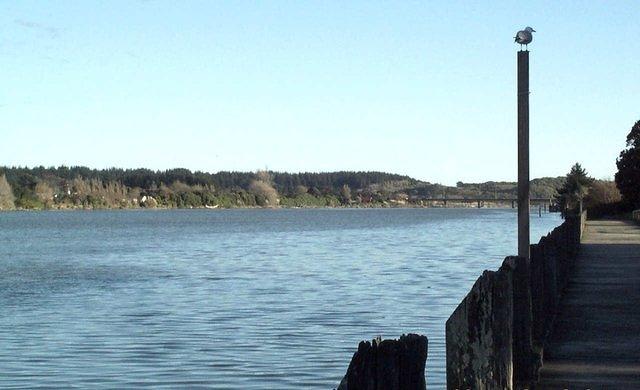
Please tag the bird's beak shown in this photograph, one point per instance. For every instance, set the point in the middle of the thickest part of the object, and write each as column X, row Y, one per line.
column 533, row 30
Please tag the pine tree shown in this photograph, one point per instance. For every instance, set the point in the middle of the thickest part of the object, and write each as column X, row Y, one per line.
column 574, row 189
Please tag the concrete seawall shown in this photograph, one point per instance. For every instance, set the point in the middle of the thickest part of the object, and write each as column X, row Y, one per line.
column 496, row 337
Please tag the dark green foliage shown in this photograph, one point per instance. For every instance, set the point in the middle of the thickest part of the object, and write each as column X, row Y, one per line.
column 545, row 187
column 628, row 175
column 28, row 201
column 633, row 138
column 574, row 189
column 305, row 200
column 332, row 182
column 607, row 209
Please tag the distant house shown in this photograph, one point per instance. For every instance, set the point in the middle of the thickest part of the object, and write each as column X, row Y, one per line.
column 400, row 198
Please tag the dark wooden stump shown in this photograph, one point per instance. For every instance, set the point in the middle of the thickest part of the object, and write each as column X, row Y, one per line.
column 388, row 365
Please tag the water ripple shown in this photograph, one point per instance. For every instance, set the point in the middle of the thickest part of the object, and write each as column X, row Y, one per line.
column 244, row 299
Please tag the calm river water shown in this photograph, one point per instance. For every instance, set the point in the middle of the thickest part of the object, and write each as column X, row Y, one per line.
column 239, row 299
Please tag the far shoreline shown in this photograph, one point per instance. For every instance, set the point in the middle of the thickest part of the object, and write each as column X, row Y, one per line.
column 217, row 209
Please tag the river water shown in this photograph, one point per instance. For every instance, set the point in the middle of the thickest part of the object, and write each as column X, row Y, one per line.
column 238, row 299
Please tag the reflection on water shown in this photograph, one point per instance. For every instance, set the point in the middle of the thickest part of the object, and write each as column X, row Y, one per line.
column 242, row 299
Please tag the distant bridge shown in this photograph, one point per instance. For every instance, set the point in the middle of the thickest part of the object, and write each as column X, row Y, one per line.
column 543, row 202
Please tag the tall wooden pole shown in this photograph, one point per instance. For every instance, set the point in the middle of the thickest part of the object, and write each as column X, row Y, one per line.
column 523, row 153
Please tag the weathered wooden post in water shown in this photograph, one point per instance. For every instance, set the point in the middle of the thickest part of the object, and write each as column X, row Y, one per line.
column 388, row 365
column 523, row 152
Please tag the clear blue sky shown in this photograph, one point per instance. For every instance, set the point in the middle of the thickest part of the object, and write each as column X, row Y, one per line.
column 426, row 89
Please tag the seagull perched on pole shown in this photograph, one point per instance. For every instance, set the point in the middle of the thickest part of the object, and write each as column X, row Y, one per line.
column 524, row 37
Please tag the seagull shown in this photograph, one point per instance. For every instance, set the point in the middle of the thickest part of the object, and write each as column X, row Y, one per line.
column 524, row 37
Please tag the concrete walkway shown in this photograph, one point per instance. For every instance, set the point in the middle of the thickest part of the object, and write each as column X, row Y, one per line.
column 595, row 342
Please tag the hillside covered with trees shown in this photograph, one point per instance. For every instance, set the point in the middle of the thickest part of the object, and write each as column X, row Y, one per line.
column 86, row 188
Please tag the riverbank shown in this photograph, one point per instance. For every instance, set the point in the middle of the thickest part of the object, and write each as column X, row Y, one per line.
column 85, row 188
column 471, row 204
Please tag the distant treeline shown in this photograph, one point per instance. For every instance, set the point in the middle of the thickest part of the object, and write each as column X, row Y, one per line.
column 82, row 187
